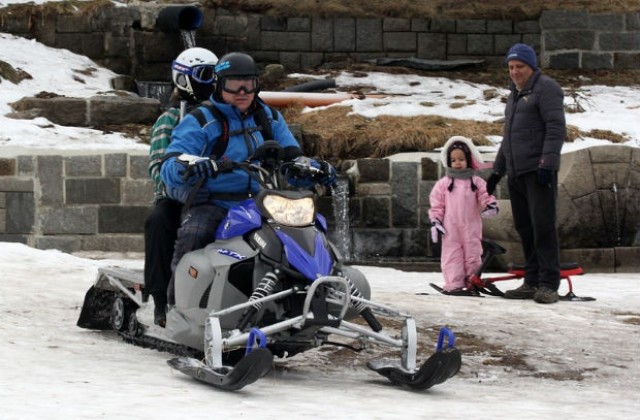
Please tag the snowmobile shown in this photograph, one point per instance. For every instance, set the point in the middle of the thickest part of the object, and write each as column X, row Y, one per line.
column 272, row 284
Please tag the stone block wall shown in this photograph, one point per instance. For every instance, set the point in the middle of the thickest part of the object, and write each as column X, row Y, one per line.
column 75, row 203
column 128, row 41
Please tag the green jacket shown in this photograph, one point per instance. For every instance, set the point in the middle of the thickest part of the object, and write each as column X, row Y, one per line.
column 160, row 139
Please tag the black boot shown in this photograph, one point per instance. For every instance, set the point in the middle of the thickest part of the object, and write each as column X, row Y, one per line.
column 160, row 310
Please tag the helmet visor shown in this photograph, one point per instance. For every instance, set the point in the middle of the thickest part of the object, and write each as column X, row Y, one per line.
column 236, row 85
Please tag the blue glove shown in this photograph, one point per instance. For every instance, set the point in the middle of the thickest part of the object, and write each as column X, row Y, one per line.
column 207, row 168
column 327, row 175
column 492, row 182
column 545, row 177
column 437, row 230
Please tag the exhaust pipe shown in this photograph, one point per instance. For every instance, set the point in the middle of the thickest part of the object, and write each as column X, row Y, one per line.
column 179, row 18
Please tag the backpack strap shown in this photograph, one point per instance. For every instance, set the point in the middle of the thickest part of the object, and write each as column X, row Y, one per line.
column 223, row 140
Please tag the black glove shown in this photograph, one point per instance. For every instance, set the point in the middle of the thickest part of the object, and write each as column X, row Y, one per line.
column 328, row 173
column 207, row 168
column 545, row 177
column 492, row 182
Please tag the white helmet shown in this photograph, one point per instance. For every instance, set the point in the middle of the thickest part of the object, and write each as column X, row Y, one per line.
column 193, row 72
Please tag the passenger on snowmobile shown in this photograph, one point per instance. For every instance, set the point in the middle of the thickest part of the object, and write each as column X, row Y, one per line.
column 205, row 181
column 193, row 75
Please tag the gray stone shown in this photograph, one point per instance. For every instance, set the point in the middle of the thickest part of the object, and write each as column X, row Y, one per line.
column 502, row 43
column 271, row 23
column 116, row 110
column 432, row 46
column 601, row 260
column 376, row 212
column 606, row 22
column 7, row 166
column 576, row 173
column 122, row 219
column 628, row 41
column 560, row 19
column 139, row 166
column 299, row 24
column 235, row 26
column 570, row 39
column 404, row 187
column 627, row 259
column 20, row 212
column 290, row 60
column 59, row 110
column 399, row 41
column 632, row 21
column 73, row 23
column 83, row 165
column 443, row 25
column 373, row 170
column 526, row 27
column 114, row 243
column 90, row 44
column 62, row 243
column 456, row 44
column 50, row 180
column 480, row 44
column 471, row 26
column 369, row 35
column 3, row 217
column 22, row 239
column 564, row 60
column 396, row 24
column 16, row 184
column 80, row 220
column 420, row 25
column 597, row 61
column 500, row 26
column 92, row 191
column 115, row 165
column 287, row 41
column 626, row 61
column 607, row 175
column 371, row 243
column 311, row 60
column 137, row 192
column 344, row 34
column 321, row 34
column 26, row 165
column 373, row 188
column 415, row 242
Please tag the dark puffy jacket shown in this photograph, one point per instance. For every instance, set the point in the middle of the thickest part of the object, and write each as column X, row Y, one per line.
column 534, row 128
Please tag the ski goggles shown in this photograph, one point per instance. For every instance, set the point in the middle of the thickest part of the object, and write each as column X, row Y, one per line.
column 236, row 85
column 203, row 73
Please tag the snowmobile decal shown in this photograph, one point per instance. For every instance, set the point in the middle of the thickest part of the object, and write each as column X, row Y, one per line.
column 232, row 254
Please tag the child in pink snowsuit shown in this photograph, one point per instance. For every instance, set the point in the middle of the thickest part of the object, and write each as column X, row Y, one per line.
column 458, row 201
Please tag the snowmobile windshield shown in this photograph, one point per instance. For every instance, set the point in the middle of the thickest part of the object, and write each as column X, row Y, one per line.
column 289, row 211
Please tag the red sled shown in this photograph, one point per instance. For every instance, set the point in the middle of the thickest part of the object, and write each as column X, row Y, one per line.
column 516, row 271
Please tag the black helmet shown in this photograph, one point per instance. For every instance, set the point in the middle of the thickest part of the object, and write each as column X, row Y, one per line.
column 236, row 65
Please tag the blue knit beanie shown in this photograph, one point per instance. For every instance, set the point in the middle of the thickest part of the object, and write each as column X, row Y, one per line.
column 524, row 53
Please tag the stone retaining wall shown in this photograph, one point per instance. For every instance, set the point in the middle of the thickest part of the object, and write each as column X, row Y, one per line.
column 100, row 202
column 127, row 40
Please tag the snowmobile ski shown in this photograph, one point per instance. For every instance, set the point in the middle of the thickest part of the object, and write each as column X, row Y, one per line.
column 441, row 366
column 249, row 369
column 463, row 292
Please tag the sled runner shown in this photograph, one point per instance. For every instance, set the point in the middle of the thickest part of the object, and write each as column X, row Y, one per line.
column 270, row 285
column 477, row 285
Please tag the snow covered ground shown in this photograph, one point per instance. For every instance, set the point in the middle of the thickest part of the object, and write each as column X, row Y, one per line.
column 571, row 360
column 520, row 360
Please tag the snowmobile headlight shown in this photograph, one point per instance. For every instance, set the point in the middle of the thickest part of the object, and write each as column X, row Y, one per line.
column 289, row 211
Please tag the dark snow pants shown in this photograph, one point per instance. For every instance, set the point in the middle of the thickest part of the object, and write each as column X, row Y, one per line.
column 534, row 215
column 197, row 230
column 160, row 233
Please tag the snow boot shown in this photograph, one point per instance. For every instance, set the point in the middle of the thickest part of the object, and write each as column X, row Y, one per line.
column 546, row 295
column 160, row 310
column 525, row 291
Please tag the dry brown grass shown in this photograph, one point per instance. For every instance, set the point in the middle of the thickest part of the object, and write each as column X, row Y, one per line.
column 478, row 9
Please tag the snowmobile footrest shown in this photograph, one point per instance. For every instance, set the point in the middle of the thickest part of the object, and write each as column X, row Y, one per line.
column 249, row 369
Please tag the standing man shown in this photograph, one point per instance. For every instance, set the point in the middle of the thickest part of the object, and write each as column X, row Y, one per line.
column 534, row 133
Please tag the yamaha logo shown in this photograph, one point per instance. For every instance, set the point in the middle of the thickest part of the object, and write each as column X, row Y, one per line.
column 261, row 242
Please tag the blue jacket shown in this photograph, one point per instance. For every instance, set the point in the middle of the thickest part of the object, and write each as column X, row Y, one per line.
column 534, row 128
column 244, row 137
